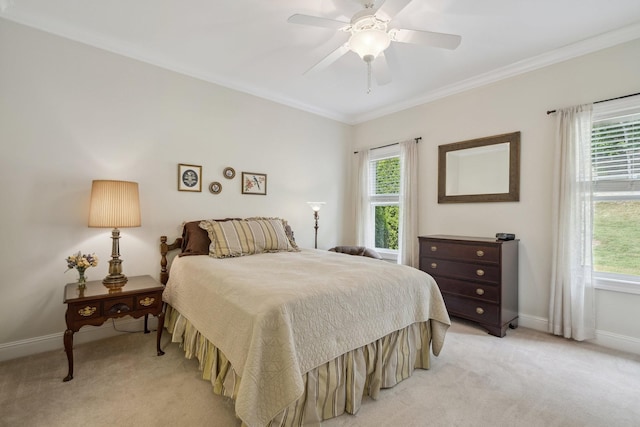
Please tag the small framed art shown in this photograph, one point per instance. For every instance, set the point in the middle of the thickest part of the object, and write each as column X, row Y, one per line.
column 254, row 183
column 189, row 177
column 229, row 173
column 215, row 187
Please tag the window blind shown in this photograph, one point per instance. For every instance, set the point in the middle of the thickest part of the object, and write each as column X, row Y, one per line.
column 615, row 154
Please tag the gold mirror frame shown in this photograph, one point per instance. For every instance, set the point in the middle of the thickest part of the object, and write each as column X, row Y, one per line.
column 514, row 170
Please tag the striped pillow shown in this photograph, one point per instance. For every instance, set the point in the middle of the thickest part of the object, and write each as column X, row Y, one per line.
column 245, row 237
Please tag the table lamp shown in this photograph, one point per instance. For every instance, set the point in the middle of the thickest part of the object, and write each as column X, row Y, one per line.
column 114, row 204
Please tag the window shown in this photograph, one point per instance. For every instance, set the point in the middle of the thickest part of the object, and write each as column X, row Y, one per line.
column 384, row 200
column 615, row 154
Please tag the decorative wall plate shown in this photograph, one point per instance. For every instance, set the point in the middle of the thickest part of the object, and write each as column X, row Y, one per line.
column 229, row 173
column 215, row 187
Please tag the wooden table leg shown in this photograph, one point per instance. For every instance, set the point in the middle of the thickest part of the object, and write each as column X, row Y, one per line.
column 160, row 328
column 68, row 348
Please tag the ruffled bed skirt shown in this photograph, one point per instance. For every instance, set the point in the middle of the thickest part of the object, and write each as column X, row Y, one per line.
column 330, row 389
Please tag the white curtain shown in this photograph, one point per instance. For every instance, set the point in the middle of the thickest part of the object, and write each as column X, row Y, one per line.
column 362, row 208
column 408, row 230
column 571, row 306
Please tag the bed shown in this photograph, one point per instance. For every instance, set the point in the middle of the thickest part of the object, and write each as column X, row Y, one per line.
column 295, row 336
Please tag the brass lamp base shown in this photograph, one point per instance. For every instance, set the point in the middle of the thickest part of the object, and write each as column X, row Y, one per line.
column 115, row 282
column 116, row 279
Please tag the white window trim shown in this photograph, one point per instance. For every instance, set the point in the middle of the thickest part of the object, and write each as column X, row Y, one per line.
column 617, row 282
column 613, row 281
column 383, row 200
column 388, row 254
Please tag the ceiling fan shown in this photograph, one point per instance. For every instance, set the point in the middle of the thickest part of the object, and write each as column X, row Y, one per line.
column 371, row 36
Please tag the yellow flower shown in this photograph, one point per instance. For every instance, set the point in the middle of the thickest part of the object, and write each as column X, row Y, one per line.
column 81, row 261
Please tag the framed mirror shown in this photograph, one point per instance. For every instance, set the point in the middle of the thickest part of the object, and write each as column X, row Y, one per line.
column 480, row 170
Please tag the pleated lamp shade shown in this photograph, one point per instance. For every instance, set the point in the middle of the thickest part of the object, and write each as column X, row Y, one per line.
column 114, row 204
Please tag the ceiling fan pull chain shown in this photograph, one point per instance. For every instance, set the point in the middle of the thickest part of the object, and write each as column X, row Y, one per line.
column 368, row 77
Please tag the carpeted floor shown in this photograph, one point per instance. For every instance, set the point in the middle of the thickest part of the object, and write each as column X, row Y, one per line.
column 525, row 379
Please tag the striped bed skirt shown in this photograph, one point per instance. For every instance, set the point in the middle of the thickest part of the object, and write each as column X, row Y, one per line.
column 331, row 389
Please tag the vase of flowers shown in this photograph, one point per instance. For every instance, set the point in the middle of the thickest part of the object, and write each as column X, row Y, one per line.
column 81, row 262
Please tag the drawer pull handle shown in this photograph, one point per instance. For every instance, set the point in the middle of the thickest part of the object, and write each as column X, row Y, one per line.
column 480, row 272
column 434, row 265
column 479, row 310
column 434, row 248
column 147, row 301
column 480, row 253
column 87, row 311
column 480, row 291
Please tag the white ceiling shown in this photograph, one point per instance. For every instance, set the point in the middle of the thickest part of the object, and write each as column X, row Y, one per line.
column 249, row 46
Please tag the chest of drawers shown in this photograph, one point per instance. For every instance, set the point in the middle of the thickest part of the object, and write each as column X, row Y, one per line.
column 478, row 278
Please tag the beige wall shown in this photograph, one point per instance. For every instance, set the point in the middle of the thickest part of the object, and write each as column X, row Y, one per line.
column 70, row 113
column 517, row 104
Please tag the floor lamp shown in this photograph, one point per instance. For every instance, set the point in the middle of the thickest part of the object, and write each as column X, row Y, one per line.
column 316, row 208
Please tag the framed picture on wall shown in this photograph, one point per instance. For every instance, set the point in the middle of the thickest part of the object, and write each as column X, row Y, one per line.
column 254, row 183
column 229, row 173
column 189, row 178
column 215, row 188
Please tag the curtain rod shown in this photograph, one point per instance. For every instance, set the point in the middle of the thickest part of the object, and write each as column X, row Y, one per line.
column 604, row 100
column 418, row 139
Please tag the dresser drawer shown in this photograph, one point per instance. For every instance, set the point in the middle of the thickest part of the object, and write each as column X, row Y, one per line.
column 460, row 270
column 478, row 311
column 84, row 312
column 463, row 252
column 149, row 301
column 115, row 306
column 480, row 291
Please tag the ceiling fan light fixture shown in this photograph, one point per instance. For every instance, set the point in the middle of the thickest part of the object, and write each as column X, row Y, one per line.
column 369, row 43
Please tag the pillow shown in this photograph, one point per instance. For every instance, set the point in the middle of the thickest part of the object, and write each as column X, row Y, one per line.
column 246, row 237
column 356, row 250
column 195, row 240
column 287, row 229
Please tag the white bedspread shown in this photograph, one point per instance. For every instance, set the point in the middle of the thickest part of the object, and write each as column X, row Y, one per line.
column 278, row 315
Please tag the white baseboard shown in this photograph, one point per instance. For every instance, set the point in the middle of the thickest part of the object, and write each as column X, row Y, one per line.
column 603, row 338
column 531, row 322
column 52, row 342
column 618, row 342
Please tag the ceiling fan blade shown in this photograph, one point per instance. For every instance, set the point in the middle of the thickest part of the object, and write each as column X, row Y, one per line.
column 391, row 8
column 381, row 70
column 316, row 21
column 328, row 60
column 427, row 38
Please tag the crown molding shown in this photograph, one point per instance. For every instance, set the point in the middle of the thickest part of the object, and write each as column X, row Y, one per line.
column 584, row 47
column 565, row 53
column 129, row 51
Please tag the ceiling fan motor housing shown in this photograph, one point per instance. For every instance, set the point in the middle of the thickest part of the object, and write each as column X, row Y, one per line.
column 369, row 35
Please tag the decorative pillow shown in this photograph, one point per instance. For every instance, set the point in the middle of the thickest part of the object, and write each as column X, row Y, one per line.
column 287, row 229
column 195, row 240
column 245, row 237
column 357, row 250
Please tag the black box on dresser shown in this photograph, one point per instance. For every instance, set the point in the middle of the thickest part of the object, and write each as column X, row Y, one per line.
column 478, row 278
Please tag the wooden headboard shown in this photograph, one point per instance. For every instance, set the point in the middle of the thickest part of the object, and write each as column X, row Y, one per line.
column 165, row 248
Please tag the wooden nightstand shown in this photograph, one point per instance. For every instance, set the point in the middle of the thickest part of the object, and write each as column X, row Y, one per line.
column 141, row 296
